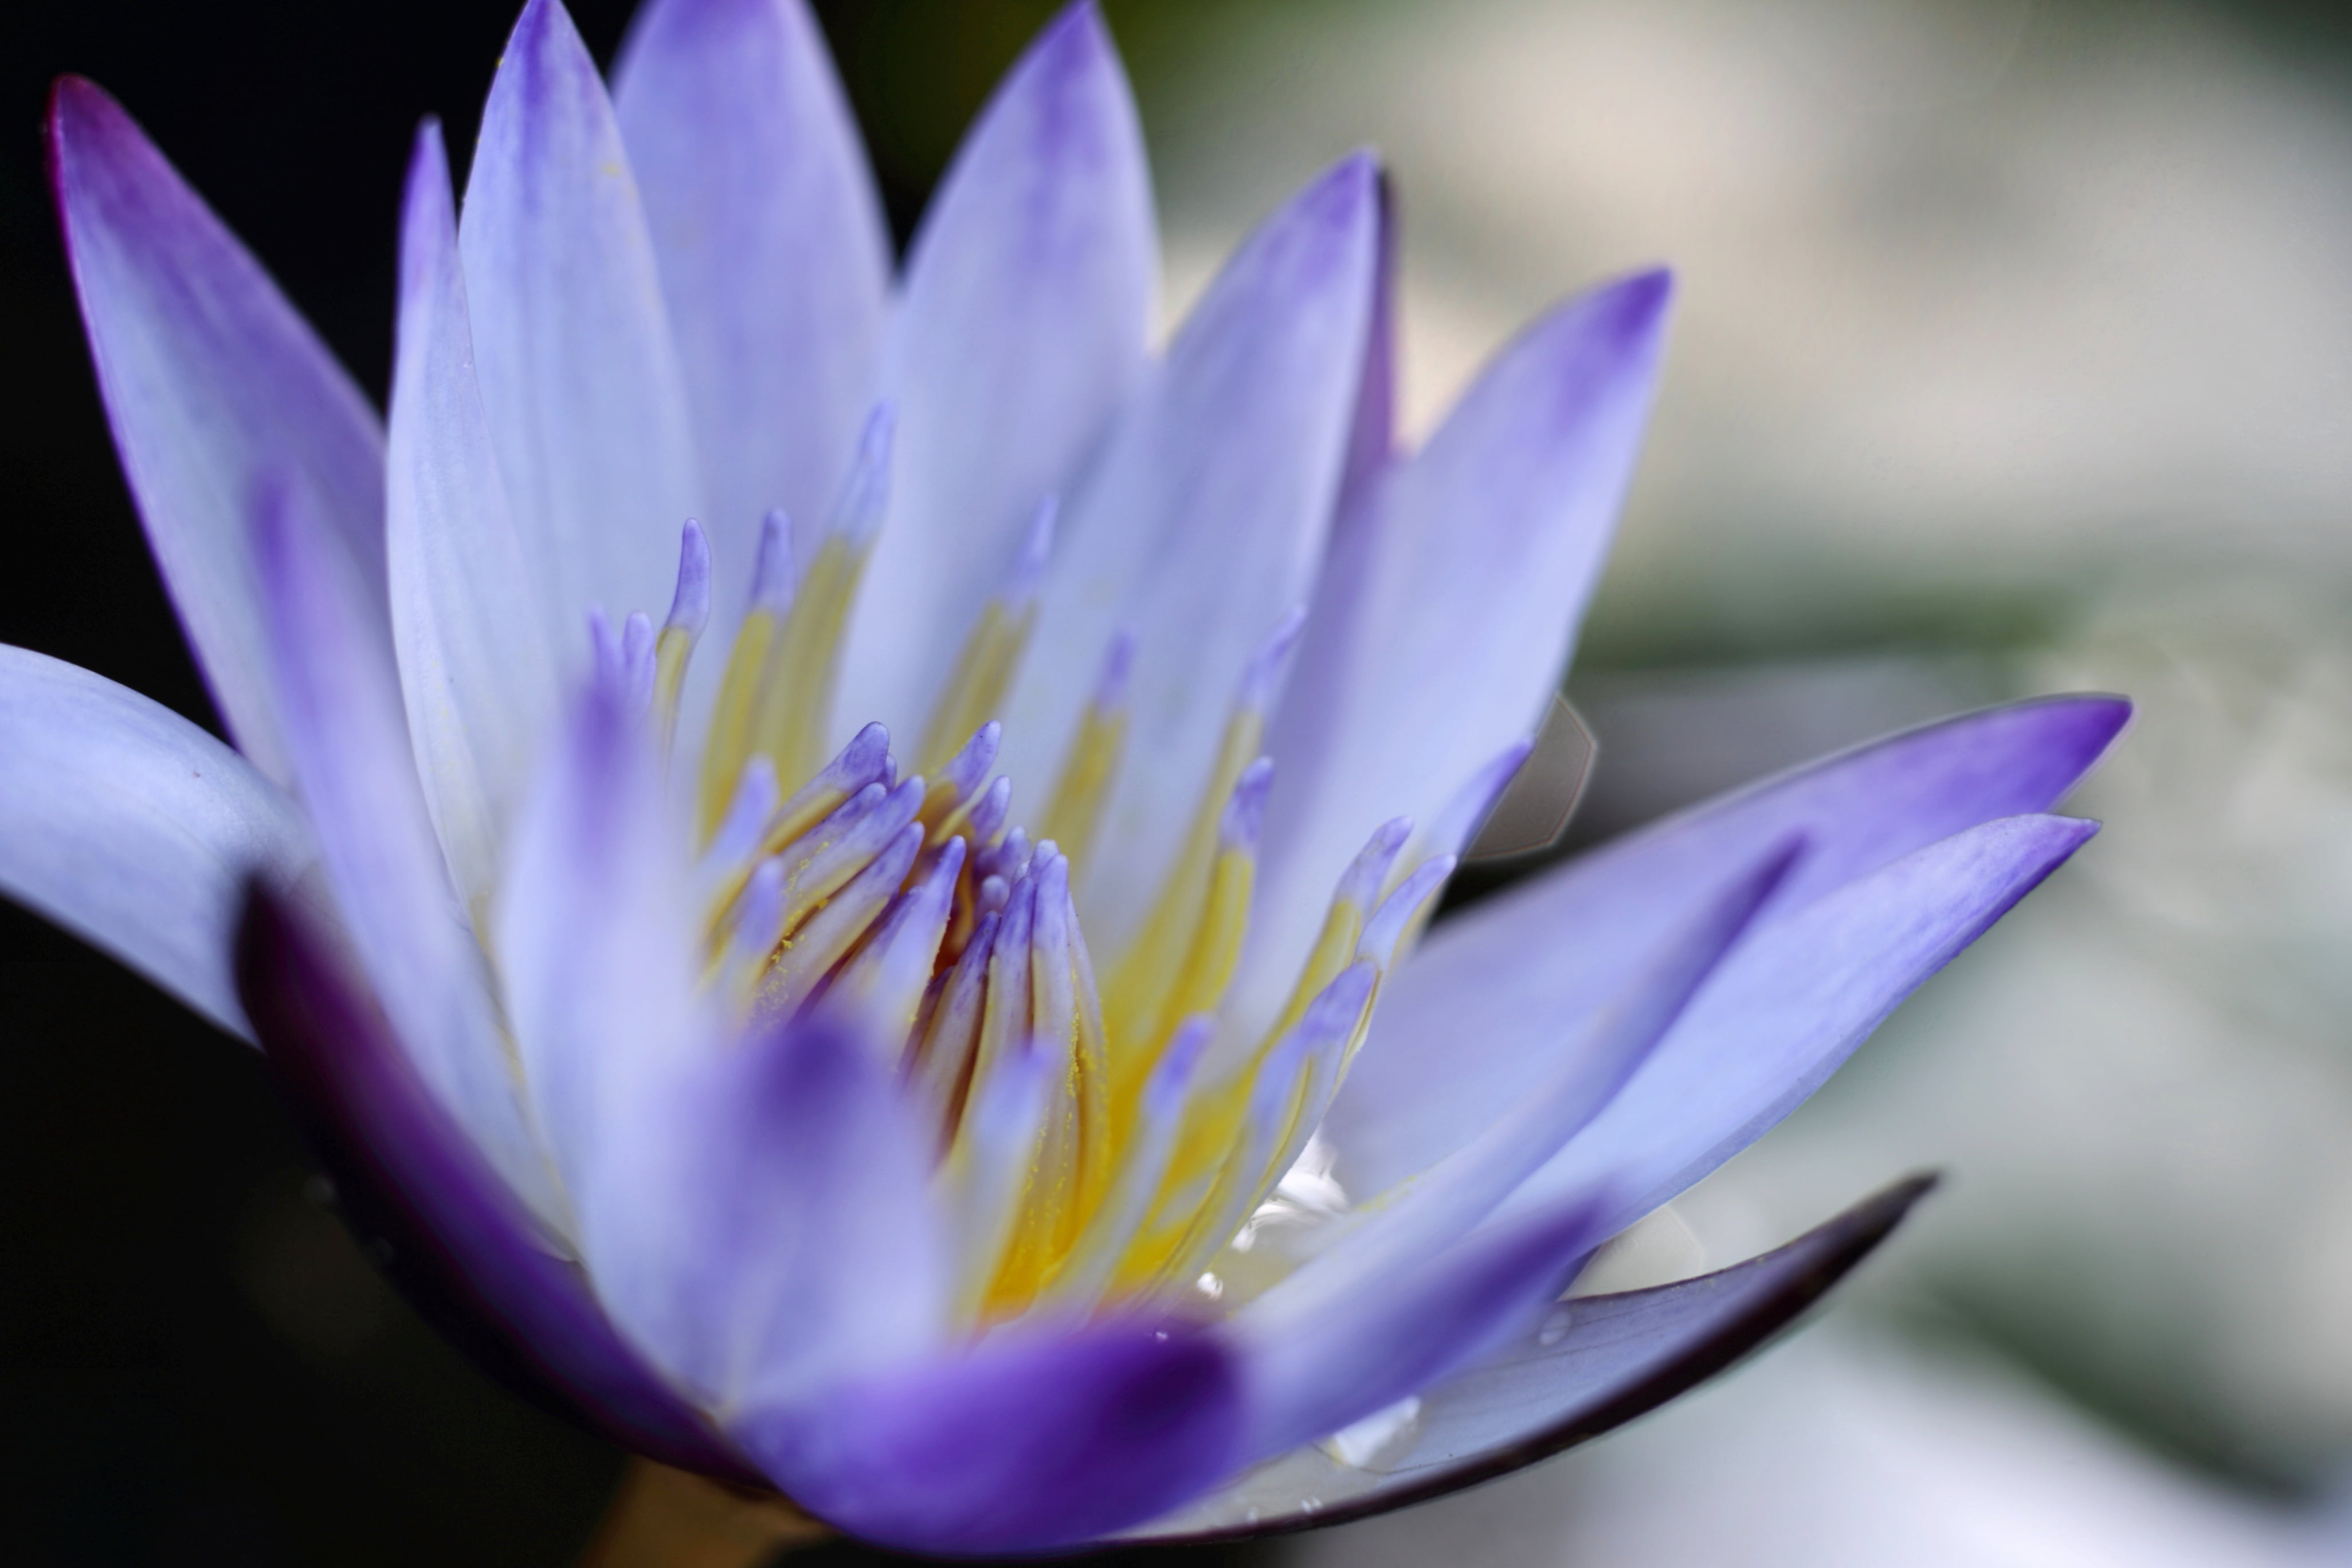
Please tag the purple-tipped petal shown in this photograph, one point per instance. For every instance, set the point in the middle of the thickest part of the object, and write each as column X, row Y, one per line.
column 1450, row 601
column 434, row 1212
column 339, row 700
column 1027, row 1444
column 211, row 380
column 765, row 1226
column 1790, row 1005
column 1461, row 1028
column 580, row 383
column 1021, row 328
column 131, row 828
column 1308, row 1374
column 1202, row 524
column 1589, row 1366
column 776, row 264
column 1591, row 1064
column 477, row 668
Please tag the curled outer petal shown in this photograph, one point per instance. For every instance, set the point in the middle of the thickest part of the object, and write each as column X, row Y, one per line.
column 129, row 825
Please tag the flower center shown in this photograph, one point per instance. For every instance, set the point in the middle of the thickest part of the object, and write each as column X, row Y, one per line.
column 1103, row 1141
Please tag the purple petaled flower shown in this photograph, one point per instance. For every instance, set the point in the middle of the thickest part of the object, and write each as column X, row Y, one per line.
column 986, row 1166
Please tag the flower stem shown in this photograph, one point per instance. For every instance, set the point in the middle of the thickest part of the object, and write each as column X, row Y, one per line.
column 662, row 1518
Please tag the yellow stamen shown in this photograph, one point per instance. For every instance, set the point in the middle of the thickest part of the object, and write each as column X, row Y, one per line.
column 777, row 697
column 1142, row 983
column 983, row 674
column 671, row 651
column 1085, row 784
column 796, row 696
column 1334, row 947
column 729, row 746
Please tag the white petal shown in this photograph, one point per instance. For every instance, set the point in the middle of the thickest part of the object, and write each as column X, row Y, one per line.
column 211, row 380
column 1445, row 618
column 1467, row 1024
column 771, row 1232
column 579, row 379
column 594, row 929
column 339, row 698
column 754, row 1214
column 1788, row 1007
column 475, row 667
column 1202, row 526
column 1022, row 326
column 1594, row 1058
column 775, row 263
column 132, row 827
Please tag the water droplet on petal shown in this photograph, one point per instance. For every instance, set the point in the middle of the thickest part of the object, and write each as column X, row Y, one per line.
column 1358, row 1446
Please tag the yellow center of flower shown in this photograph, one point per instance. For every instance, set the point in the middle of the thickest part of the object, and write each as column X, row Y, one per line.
column 1099, row 1141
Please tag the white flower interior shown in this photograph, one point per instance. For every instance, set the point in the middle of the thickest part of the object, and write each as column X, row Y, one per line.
column 1101, row 1149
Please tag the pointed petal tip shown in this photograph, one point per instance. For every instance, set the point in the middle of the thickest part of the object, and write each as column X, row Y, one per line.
column 1335, row 214
column 428, row 160
column 81, row 109
column 545, row 36
column 2102, row 717
column 1899, row 1198
column 1642, row 301
column 1652, row 287
column 428, row 208
column 87, row 125
column 2080, row 830
column 1348, row 194
column 536, row 17
column 1625, row 318
column 1068, row 55
column 1076, row 33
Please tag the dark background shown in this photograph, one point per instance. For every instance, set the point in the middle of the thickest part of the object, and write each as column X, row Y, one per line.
column 196, row 1366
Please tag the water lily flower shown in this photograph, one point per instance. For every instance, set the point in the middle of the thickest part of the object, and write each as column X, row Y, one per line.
column 937, row 1024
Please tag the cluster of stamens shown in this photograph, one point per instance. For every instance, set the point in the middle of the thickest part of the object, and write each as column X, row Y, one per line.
column 1098, row 1142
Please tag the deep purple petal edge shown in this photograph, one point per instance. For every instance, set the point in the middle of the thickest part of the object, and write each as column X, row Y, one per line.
column 432, row 1213
column 1031, row 1442
column 1770, row 1293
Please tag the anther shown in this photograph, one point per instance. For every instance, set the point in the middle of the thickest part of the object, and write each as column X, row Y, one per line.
column 984, row 670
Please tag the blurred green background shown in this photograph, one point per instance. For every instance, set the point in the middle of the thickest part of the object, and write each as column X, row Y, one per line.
column 2014, row 353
